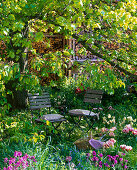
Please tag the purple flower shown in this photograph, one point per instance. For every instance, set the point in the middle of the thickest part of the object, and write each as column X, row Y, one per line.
column 121, row 159
column 12, row 160
column 95, row 158
column 106, row 164
column 87, row 154
column 5, row 160
column 117, row 156
column 96, row 165
column 100, row 162
column 125, row 167
column 17, row 153
column 101, row 155
column 4, row 168
column 10, row 167
column 126, row 160
column 112, row 165
column 32, row 157
column 109, row 156
column 94, row 153
column 18, row 163
column 109, row 159
column 26, row 156
column 115, row 161
column 100, row 166
column 34, row 160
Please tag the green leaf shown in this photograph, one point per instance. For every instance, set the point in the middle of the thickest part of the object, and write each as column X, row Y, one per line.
column 39, row 36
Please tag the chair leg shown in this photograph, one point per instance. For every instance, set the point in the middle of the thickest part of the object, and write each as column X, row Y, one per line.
column 90, row 123
column 57, row 125
column 76, row 124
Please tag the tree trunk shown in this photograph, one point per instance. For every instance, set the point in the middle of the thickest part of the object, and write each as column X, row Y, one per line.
column 18, row 99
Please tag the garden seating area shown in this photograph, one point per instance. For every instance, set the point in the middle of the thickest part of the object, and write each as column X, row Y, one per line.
column 69, row 144
column 68, row 85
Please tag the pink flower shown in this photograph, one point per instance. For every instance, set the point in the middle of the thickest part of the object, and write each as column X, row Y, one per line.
column 111, row 134
column 10, row 167
column 78, row 90
column 94, row 153
column 112, row 140
column 125, row 167
column 101, row 155
column 5, row 160
column 95, row 108
column 125, row 130
column 128, row 126
column 95, row 158
column 123, row 147
column 96, row 128
column 68, row 158
column 17, row 153
column 128, row 148
column 134, row 132
column 120, row 159
column 32, row 157
column 112, row 129
column 110, row 108
column 109, row 143
column 100, row 108
column 104, row 130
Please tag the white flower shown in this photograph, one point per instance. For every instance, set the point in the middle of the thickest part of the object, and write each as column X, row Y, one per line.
column 109, row 115
column 130, row 118
column 124, row 119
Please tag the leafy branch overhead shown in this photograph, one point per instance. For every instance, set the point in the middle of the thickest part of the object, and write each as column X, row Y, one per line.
column 108, row 29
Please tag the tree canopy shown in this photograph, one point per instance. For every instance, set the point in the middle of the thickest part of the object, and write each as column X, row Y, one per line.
column 106, row 28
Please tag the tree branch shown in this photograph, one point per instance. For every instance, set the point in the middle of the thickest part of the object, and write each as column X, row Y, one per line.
column 116, row 65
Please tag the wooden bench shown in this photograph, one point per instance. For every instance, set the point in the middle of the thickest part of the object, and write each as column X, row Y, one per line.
column 91, row 97
column 38, row 101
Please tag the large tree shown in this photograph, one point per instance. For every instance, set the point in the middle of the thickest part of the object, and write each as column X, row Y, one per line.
column 107, row 28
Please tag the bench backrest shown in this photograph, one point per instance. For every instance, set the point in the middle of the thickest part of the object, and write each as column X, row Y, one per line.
column 38, row 101
column 93, row 96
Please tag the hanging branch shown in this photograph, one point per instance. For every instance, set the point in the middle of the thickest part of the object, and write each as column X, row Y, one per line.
column 114, row 64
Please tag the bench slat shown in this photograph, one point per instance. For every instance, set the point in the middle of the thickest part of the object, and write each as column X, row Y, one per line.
column 94, row 91
column 38, row 97
column 39, row 103
column 93, row 96
column 39, row 107
column 37, row 94
column 39, row 100
column 92, row 100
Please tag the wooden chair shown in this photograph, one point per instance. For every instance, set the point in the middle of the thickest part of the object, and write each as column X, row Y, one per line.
column 91, row 97
column 37, row 102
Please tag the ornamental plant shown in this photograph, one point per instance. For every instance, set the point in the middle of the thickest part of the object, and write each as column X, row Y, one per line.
column 80, row 90
column 18, row 161
column 102, row 161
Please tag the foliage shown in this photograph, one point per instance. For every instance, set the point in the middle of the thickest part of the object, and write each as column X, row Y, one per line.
column 52, row 151
column 106, row 28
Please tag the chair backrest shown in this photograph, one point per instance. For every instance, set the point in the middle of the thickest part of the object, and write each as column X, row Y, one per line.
column 93, row 96
column 38, row 101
